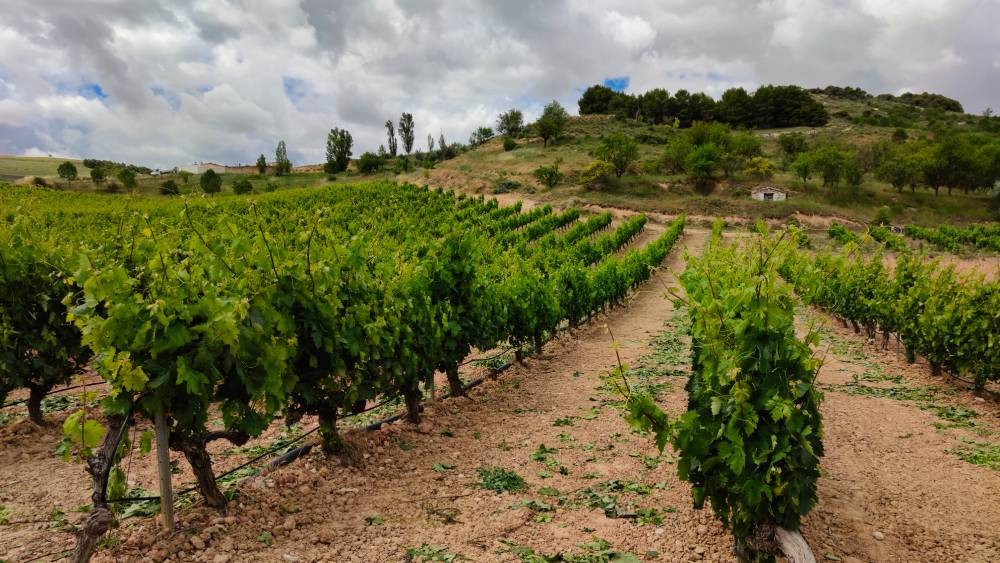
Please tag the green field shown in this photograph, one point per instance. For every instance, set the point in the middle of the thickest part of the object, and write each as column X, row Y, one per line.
column 13, row 168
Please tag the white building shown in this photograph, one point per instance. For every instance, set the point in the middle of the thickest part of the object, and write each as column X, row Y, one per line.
column 768, row 193
column 202, row 167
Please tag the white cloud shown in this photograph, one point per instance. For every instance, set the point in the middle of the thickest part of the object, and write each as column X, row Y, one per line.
column 206, row 80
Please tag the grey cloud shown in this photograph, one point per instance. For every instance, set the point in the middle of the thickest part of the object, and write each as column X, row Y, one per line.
column 454, row 66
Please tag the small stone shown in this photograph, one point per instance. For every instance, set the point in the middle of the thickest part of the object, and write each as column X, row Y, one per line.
column 699, row 550
column 197, row 542
column 878, row 535
column 222, row 558
column 702, row 530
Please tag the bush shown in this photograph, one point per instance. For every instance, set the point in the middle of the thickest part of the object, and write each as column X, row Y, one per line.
column 596, row 174
column 169, row 188
column 509, row 144
column 401, row 165
column 39, row 181
column 270, row 186
column 505, row 185
column 760, row 168
column 883, row 216
column 210, row 182
column 369, row 163
column 112, row 187
column 242, row 186
column 619, row 151
column 549, row 176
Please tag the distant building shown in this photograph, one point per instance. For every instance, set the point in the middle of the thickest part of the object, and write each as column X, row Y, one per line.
column 768, row 193
column 202, row 167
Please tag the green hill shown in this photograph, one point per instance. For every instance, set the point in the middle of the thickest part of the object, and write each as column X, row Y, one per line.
column 14, row 168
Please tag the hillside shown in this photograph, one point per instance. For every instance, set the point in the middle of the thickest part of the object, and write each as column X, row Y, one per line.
column 14, row 168
column 490, row 169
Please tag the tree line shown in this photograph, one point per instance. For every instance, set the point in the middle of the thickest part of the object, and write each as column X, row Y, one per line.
column 768, row 107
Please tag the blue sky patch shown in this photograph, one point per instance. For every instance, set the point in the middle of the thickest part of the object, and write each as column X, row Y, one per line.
column 618, row 84
column 295, row 88
column 171, row 97
column 92, row 91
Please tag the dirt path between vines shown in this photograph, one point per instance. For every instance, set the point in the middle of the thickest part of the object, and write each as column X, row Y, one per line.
column 893, row 487
column 316, row 510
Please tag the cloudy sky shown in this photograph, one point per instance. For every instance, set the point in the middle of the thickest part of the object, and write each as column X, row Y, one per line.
column 169, row 83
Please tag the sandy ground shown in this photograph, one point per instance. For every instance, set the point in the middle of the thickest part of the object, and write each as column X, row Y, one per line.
column 892, row 488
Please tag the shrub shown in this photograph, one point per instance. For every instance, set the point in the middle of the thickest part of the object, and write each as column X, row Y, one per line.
column 549, row 176
column 210, row 182
column 618, row 150
column 242, row 186
column 369, row 163
column 112, row 187
column 401, row 165
column 597, row 173
column 270, row 186
column 760, row 168
column 505, row 185
column 169, row 188
column 39, row 181
column 509, row 144
column 883, row 216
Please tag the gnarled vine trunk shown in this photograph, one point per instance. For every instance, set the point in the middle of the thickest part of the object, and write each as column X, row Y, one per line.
column 332, row 443
column 35, row 395
column 454, row 381
column 411, row 395
column 193, row 448
column 98, row 522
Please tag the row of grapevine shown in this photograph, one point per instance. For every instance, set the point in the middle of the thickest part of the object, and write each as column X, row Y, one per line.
column 751, row 439
column 951, row 238
column 883, row 234
column 305, row 303
column 842, row 235
column 952, row 320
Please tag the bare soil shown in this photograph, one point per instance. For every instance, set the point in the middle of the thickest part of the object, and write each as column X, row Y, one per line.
column 892, row 488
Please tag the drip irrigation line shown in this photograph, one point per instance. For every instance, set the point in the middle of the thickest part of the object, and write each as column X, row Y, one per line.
column 370, row 428
column 53, row 392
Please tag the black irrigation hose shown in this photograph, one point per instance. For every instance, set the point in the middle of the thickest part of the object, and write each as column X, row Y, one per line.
column 371, row 427
column 53, row 392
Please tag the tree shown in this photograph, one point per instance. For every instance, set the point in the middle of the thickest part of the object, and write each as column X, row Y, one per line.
column 338, row 150
column 430, row 143
column 618, row 150
column 210, row 182
column 390, row 132
column 654, row 106
column 169, row 188
column 703, row 161
column 831, row 164
column 480, row 135
column 443, row 147
column 282, row 165
column 242, row 186
column 792, row 144
column 787, row 106
column 552, row 123
column 735, row 107
column 898, row 169
column 261, row 165
column 97, row 175
column 596, row 100
column 127, row 177
column 406, row 132
column 369, row 163
column 510, row 123
column 185, row 176
column 803, row 166
column 67, row 171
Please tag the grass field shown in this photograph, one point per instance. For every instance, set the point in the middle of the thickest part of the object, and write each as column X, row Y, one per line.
column 13, row 168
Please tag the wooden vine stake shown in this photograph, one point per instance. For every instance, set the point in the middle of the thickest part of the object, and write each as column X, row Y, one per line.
column 163, row 468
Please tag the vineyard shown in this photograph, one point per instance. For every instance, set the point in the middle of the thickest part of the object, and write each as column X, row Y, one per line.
column 314, row 303
column 986, row 237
